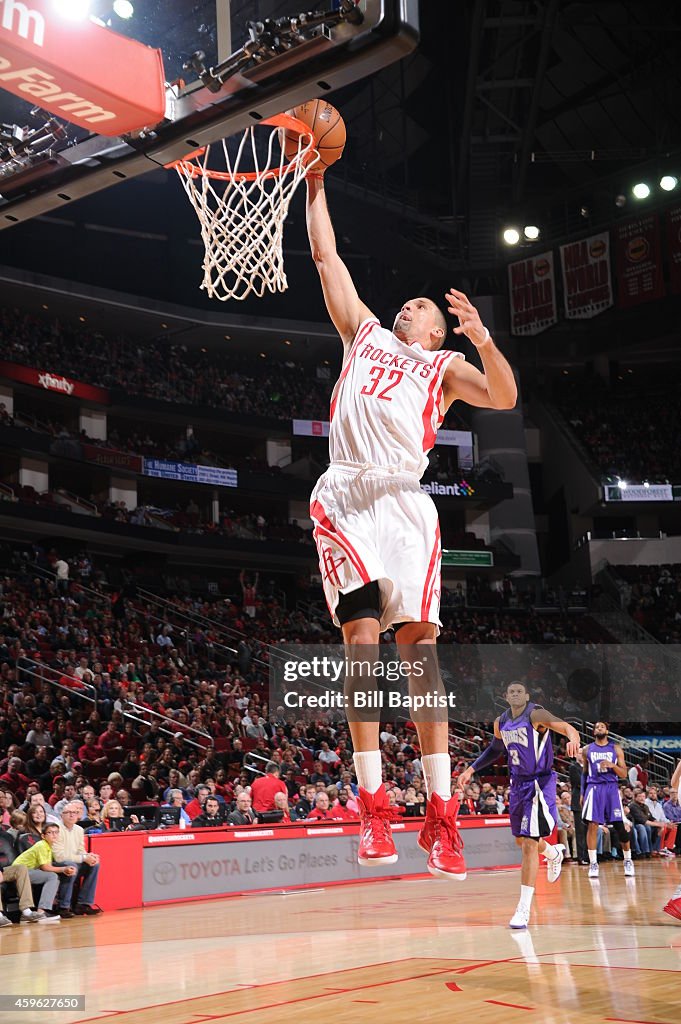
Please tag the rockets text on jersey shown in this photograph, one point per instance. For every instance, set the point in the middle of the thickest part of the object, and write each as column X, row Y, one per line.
column 386, row 405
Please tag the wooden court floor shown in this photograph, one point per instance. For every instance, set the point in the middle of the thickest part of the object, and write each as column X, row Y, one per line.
column 414, row 950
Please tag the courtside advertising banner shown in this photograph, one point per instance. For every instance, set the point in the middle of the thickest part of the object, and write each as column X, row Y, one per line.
column 587, row 284
column 532, row 290
column 674, row 248
column 639, row 261
column 79, row 70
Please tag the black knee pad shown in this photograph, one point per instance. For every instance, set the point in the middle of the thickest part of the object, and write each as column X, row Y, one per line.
column 622, row 834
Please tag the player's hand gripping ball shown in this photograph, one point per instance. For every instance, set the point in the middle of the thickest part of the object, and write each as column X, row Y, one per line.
column 326, row 125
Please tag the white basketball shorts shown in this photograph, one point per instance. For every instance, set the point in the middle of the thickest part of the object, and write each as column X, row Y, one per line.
column 377, row 525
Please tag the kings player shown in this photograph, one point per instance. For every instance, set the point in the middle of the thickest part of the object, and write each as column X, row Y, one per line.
column 377, row 533
column 524, row 733
column 603, row 765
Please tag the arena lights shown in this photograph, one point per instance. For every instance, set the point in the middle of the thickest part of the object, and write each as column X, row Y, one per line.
column 668, row 182
column 531, row 232
column 622, row 484
column 124, row 9
column 75, row 10
column 511, row 236
column 641, row 190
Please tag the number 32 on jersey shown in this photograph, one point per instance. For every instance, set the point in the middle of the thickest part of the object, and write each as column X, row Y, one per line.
column 377, row 373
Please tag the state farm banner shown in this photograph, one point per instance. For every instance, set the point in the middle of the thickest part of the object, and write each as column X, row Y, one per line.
column 674, row 247
column 79, row 70
column 55, row 382
column 639, row 261
column 587, row 285
column 532, row 289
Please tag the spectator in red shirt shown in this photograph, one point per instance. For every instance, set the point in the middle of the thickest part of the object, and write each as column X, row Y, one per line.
column 321, row 810
column 111, row 741
column 196, row 806
column 281, row 804
column 340, row 810
column 90, row 752
column 14, row 780
column 265, row 786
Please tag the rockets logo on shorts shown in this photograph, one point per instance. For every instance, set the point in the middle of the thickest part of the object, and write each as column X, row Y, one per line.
column 330, row 565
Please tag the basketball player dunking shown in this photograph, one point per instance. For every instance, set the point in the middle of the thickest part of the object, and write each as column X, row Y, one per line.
column 377, row 533
column 524, row 731
column 602, row 765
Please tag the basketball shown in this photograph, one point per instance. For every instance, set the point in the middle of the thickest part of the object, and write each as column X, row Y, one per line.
column 327, row 126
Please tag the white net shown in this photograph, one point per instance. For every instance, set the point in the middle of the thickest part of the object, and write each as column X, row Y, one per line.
column 242, row 210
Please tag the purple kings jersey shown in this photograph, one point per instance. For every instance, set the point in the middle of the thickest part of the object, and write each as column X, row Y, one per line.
column 596, row 752
column 530, row 753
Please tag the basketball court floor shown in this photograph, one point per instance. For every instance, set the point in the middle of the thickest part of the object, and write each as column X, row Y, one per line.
column 418, row 950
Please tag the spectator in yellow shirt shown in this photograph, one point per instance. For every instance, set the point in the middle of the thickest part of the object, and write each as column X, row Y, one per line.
column 39, row 862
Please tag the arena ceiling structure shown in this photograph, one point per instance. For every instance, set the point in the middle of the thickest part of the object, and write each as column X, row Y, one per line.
column 527, row 111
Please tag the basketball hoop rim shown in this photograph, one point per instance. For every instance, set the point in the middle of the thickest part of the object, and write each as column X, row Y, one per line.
column 185, row 164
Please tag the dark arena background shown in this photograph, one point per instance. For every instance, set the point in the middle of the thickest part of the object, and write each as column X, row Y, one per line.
column 190, row 829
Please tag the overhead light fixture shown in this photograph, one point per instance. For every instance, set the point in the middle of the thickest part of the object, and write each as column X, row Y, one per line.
column 164, row 326
column 646, row 484
column 75, row 10
column 228, row 337
column 531, row 232
column 622, row 484
column 262, row 355
column 641, row 190
column 82, row 319
column 286, row 341
column 668, row 182
column 124, row 9
column 620, row 200
column 45, row 307
column 511, row 236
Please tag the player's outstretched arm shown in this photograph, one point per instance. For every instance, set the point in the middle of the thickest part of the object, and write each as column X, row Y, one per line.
column 540, row 716
column 345, row 307
column 493, row 389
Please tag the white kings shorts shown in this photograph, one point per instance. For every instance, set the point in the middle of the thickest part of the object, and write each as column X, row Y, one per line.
column 374, row 524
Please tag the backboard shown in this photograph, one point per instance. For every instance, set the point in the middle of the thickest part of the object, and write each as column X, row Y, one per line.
column 279, row 58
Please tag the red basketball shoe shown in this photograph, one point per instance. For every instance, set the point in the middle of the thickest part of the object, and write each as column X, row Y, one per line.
column 440, row 839
column 673, row 908
column 376, row 844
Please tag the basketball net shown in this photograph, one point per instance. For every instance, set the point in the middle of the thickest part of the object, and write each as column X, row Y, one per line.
column 242, row 211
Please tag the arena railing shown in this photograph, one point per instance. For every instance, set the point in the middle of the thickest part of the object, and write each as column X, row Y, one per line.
column 135, row 713
column 44, row 673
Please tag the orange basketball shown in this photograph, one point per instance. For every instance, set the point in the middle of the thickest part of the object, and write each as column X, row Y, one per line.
column 326, row 125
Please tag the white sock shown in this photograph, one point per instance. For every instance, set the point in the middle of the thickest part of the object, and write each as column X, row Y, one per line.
column 437, row 771
column 27, row 912
column 550, row 852
column 368, row 769
column 626, row 854
column 526, row 894
column 677, row 892
column 593, row 856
